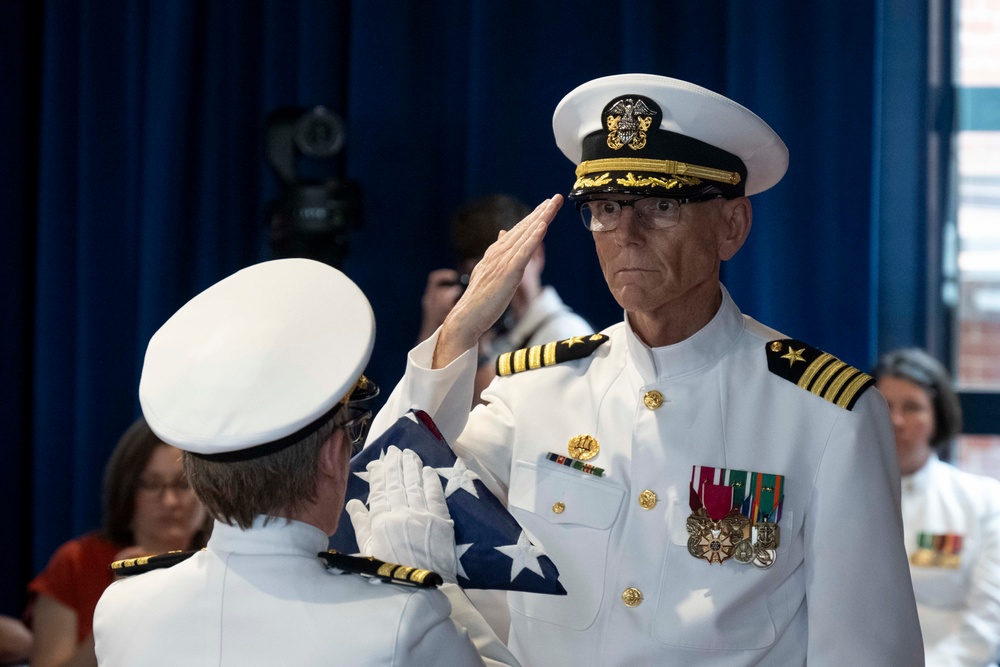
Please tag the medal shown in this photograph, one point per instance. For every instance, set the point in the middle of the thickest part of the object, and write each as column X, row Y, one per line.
column 768, row 535
column 943, row 550
column 713, row 524
column 743, row 552
column 698, row 527
column 734, row 514
column 741, row 530
column 695, row 547
column 766, row 505
column 763, row 558
column 714, row 545
column 696, row 522
column 739, row 525
column 711, row 540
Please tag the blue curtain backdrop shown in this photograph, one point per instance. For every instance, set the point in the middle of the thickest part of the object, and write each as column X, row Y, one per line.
column 132, row 175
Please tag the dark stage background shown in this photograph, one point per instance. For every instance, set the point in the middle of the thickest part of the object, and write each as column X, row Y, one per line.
column 132, row 175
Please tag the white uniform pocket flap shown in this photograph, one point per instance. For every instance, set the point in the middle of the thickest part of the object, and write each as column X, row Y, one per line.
column 564, row 496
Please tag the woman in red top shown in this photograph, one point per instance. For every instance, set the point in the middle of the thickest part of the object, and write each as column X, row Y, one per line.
column 149, row 508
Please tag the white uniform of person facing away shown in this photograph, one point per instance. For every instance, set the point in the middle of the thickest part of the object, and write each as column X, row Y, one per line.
column 259, row 381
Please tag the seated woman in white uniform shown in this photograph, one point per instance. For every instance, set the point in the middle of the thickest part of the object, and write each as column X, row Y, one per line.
column 951, row 518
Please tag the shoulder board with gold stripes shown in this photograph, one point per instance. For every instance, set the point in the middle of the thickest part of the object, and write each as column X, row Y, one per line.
column 130, row 566
column 819, row 372
column 372, row 567
column 537, row 356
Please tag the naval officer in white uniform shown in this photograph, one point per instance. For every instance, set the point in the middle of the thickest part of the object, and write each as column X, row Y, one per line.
column 259, row 381
column 712, row 491
column 951, row 518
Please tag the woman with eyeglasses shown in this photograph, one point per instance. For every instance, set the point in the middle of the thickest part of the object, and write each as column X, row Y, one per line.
column 149, row 508
column 951, row 519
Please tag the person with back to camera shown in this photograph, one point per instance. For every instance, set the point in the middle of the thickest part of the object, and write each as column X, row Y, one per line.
column 149, row 508
column 951, row 518
column 712, row 491
column 536, row 314
column 259, row 381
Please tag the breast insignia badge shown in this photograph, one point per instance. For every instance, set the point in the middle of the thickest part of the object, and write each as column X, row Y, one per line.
column 583, row 447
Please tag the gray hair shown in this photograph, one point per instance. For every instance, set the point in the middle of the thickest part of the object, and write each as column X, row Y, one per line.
column 235, row 492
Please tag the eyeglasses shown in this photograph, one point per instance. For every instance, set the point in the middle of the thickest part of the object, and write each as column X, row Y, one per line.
column 156, row 488
column 356, row 427
column 603, row 215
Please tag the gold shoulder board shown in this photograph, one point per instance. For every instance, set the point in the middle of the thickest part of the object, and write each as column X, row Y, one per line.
column 130, row 566
column 372, row 567
column 537, row 356
column 819, row 372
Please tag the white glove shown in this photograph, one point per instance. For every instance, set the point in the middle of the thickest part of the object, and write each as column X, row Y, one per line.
column 408, row 522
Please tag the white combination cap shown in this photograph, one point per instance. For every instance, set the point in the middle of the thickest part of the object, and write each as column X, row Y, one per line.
column 267, row 353
column 656, row 136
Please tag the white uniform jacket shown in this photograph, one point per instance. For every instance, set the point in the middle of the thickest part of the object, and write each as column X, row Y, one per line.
column 957, row 585
column 546, row 318
column 263, row 597
column 838, row 592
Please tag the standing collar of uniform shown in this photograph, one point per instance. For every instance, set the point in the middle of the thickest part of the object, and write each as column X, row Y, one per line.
column 694, row 352
column 279, row 536
column 921, row 479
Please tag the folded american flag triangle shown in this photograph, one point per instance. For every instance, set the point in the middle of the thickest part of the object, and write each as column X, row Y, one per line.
column 492, row 548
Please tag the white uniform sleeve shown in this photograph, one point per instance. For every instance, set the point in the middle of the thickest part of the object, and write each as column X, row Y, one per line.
column 977, row 641
column 445, row 394
column 428, row 636
column 465, row 615
column 858, row 589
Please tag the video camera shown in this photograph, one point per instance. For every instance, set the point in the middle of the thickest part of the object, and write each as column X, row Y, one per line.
column 316, row 206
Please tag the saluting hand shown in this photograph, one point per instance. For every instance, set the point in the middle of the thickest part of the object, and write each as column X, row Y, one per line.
column 442, row 292
column 493, row 283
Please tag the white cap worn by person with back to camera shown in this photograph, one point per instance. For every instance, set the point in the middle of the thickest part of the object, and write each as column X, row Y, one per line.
column 260, row 359
column 649, row 135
